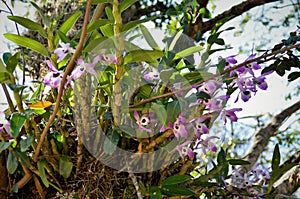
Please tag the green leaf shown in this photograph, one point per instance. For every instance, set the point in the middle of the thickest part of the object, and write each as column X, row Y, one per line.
column 135, row 23
column 221, row 157
column 6, row 57
column 12, row 62
column 220, row 41
column 27, row 23
column 237, row 162
column 107, row 30
column 155, row 193
column 111, row 140
column 45, row 18
column 38, row 91
column 149, row 38
column 16, row 123
column 41, row 169
column 277, row 173
column 143, row 55
column 176, row 179
column 126, row 4
column 16, row 88
column 175, row 39
column 98, row 23
column 102, row 1
column 26, row 143
column 93, row 44
column 221, row 65
column 173, row 110
column 12, row 163
column 109, row 13
column 160, row 112
column 65, row 166
column 293, row 76
column 28, row 43
column 4, row 77
column 175, row 190
column 4, row 145
column 22, row 156
column 188, row 51
column 276, row 158
column 67, row 25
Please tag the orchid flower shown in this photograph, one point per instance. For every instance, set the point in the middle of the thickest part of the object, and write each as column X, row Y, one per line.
column 185, row 150
column 82, row 68
column 230, row 114
column 249, row 67
column 4, row 125
column 63, row 51
column 206, row 144
column 144, row 120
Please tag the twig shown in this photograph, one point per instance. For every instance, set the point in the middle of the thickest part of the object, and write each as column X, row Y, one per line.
column 8, row 98
column 136, row 185
column 213, row 76
column 68, row 71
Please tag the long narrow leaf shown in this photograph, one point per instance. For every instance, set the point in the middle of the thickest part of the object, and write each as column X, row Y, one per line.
column 67, row 25
column 45, row 18
column 135, row 23
column 27, row 23
column 28, row 43
column 126, row 4
column 188, row 51
column 149, row 38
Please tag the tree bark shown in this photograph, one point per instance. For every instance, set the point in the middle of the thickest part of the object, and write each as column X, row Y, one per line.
column 233, row 12
column 262, row 136
column 289, row 182
column 3, row 176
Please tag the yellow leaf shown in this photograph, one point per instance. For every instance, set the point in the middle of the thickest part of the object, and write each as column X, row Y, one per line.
column 41, row 104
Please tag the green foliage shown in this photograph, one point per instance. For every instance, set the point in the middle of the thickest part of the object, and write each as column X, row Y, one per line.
column 27, row 23
column 16, row 123
column 28, row 43
column 111, row 140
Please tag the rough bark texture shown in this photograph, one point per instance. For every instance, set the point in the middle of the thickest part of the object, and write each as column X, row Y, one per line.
column 262, row 136
column 3, row 176
column 289, row 182
column 233, row 12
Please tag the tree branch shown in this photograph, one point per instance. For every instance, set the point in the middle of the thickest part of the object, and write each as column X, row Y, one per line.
column 262, row 136
column 288, row 183
column 233, row 12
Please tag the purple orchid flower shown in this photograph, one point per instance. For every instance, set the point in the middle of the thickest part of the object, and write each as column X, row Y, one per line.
column 82, row 68
column 184, row 150
column 144, row 120
column 206, row 144
column 216, row 103
column 63, row 51
column 210, row 86
column 230, row 114
column 179, row 127
column 260, row 82
column 53, row 78
column 230, row 61
column 249, row 67
column 106, row 59
column 153, row 75
column 200, row 127
column 4, row 125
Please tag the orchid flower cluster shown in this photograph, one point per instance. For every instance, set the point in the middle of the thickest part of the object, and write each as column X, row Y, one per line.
column 251, row 183
column 4, row 125
column 243, row 78
column 54, row 77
